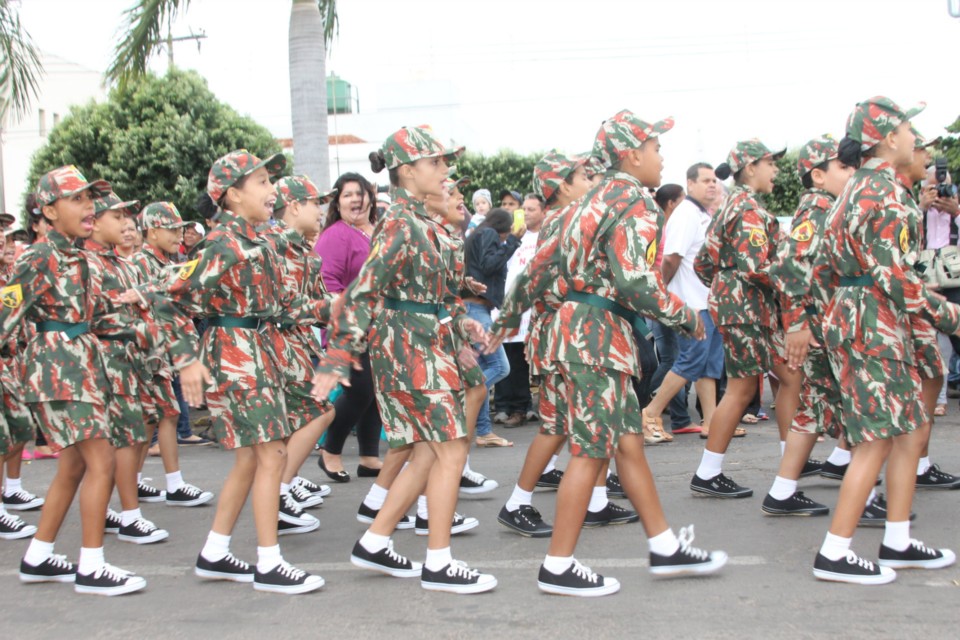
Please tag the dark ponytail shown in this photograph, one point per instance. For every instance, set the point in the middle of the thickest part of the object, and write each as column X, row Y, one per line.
column 849, row 152
column 723, row 171
column 377, row 162
column 207, row 207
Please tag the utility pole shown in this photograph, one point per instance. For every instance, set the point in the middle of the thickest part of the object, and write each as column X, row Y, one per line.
column 170, row 40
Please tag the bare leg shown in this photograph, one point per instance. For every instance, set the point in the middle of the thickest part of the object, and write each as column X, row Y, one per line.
column 128, row 465
column 98, row 456
column 541, row 450
column 167, row 439
column 638, row 483
column 235, row 490
column 573, row 496
column 443, row 488
column 14, row 460
column 902, row 472
column 798, row 450
column 405, row 490
column 707, row 393
column 930, row 390
column 739, row 394
column 301, row 443
column 858, row 482
column 60, row 494
column 788, row 397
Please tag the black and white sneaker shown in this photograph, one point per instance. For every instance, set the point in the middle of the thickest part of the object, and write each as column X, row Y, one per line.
column 321, row 490
column 142, row 531
column 188, row 496
column 108, row 581
column 21, row 500
column 457, row 577
column 13, row 528
column 304, row 498
column 287, row 529
column 291, row 513
column 577, row 580
column 551, row 479
column 473, row 483
column 934, row 478
column 55, row 568
column 796, row 505
column 811, row 468
column 833, row 471
column 526, row 521
column 853, row 569
column 460, row 524
column 610, row 514
column 916, row 556
column 688, row 560
column 720, row 487
column 875, row 513
column 149, row 493
column 367, row 515
column 229, row 567
column 385, row 561
column 113, row 523
column 285, row 578
column 614, row 488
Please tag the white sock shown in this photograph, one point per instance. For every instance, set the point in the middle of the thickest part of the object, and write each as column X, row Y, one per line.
column 373, row 543
column 711, row 464
column 896, row 535
column 268, row 558
column 782, row 488
column 519, row 497
column 466, row 466
column 129, row 517
column 839, row 457
column 871, row 497
column 174, row 481
column 12, row 485
column 216, row 547
column 922, row 467
column 835, row 547
column 375, row 497
column 438, row 558
column 3, row 510
column 422, row 508
column 598, row 500
column 284, row 488
column 557, row 564
column 783, row 447
column 90, row 560
column 664, row 544
column 552, row 464
column 37, row 552
column 609, row 472
column 139, row 478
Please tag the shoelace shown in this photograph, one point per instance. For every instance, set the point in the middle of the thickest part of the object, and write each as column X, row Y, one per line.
column 23, row 495
column 686, row 540
column 59, row 561
column 236, row 562
column 530, row 514
column 584, row 572
column 799, row 497
column 474, row 477
column 393, row 555
column 306, row 484
column 856, row 560
column 190, row 490
column 112, row 573
column 457, row 518
column 287, row 570
column 292, row 505
column 725, row 482
column 459, row 569
column 113, row 516
column 922, row 548
column 11, row 521
column 144, row 525
column 142, row 485
column 299, row 493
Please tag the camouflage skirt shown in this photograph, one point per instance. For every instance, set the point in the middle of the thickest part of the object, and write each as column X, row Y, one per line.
column 66, row 422
column 245, row 417
column 602, row 406
column 159, row 400
column 819, row 410
column 879, row 398
column 126, row 421
column 749, row 350
column 302, row 408
column 926, row 349
column 436, row 415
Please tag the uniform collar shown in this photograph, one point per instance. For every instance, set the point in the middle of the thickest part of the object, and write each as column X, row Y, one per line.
column 881, row 166
column 60, row 241
column 625, row 177
column 92, row 245
column 403, row 197
column 162, row 257
column 238, row 225
column 814, row 191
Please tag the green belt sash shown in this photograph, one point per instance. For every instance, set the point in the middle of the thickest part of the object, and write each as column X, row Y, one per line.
column 637, row 322
column 234, row 322
column 410, row 306
column 863, row 280
column 69, row 329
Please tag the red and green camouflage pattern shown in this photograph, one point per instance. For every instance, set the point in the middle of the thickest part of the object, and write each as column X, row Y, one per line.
column 601, row 406
column 819, row 408
column 746, row 152
column 161, row 215
column 921, row 141
column 65, row 182
column 16, row 414
column 625, row 132
column 110, row 200
column 298, row 189
column 551, row 171
column 227, row 170
column 816, row 152
column 593, row 166
column 65, row 423
column 410, row 144
column 871, row 120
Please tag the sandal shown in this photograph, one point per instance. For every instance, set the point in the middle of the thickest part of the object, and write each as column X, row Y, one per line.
column 941, row 410
column 652, row 428
column 492, row 440
column 739, row 432
column 749, row 418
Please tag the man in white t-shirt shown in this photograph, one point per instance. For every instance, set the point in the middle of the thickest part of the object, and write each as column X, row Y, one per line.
column 698, row 361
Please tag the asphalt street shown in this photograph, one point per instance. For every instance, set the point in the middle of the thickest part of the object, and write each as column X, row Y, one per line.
column 766, row 590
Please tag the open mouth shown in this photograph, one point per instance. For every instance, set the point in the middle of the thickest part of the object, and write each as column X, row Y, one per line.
column 87, row 223
column 268, row 205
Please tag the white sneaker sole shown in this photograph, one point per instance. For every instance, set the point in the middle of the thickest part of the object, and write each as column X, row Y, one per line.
column 311, row 584
column 218, row 575
column 717, row 561
column 32, row 579
column 307, row 528
column 481, row 586
column 134, row 583
column 466, row 525
column 473, row 491
column 949, row 558
column 611, row 587
column 830, row 576
column 157, row 536
column 161, row 498
column 403, row 525
column 396, row 573
column 204, row 498
column 26, row 532
column 301, row 521
column 313, row 501
column 36, row 503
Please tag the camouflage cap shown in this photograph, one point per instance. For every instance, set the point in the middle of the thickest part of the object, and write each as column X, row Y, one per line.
column 815, row 153
column 746, row 152
column 111, row 200
column 410, row 144
column 873, row 119
column 6, row 219
column 593, row 165
column 922, row 143
column 552, row 170
column 623, row 132
column 452, row 183
column 298, row 189
column 65, row 182
column 161, row 215
column 226, row 171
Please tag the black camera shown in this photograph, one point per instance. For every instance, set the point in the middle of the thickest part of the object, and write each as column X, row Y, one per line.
column 940, row 175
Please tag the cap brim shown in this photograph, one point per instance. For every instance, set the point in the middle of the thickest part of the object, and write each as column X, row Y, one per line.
column 131, row 207
column 99, row 188
column 6, row 218
column 661, row 127
column 913, row 112
column 776, row 155
column 274, row 165
column 453, row 154
column 324, row 198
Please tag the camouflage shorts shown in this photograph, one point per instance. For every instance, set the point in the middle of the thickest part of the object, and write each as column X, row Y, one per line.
column 159, row 400
column 926, row 350
column 879, row 398
column 422, row 416
column 553, row 405
column 19, row 419
column 126, row 421
column 819, row 397
column 5, row 442
column 66, row 422
column 302, row 409
column 247, row 417
column 602, row 407
column 472, row 376
column 749, row 350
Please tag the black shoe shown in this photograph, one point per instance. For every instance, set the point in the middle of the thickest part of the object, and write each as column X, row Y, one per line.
column 720, row 487
column 457, row 577
column 460, row 524
column 687, row 560
column 13, row 528
column 321, row 490
column 385, row 561
column 188, row 496
column 304, row 498
column 550, row 479
column 287, row 529
column 108, row 581
column 285, row 578
column 336, row 476
column 796, row 505
column 147, row 493
column 291, row 513
column 610, row 514
column 614, row 489
column 853, row 569
column 113, row 522
column 837, row 471
column 473, row 483
column 228, row 567
column 932, row 479
column 22, row 501
column 811, row 468
column 367, row 515
column 197, row 441
column 54, row 569
column 526, row 521
column 577, row 580
column 916, row 556
column 367, row 472
column 142, row 531
column 875, row 513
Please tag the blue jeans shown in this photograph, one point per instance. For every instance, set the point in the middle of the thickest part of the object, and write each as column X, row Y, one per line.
column 668, row 347
column 495, row 367
column 183, row 422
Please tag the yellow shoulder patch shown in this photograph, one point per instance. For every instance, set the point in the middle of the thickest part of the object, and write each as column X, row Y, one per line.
column 652, row 253
column 12, row 296
column 374, row 250
column 758, row 237
column 803, row 233
column 905, row 240
column 188, row 268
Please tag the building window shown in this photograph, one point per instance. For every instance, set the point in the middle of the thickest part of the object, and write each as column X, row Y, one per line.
column 43, row 122
column 56, row 119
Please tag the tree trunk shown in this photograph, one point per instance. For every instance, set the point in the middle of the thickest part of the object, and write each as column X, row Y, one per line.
column 308, row 93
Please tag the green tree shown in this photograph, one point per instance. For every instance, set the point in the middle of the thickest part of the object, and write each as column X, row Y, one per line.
column 20, row 66
column 505, row 170
column 785, row 198
column 153, row 139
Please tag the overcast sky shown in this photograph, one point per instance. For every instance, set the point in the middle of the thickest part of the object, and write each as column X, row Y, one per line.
column 534, row 74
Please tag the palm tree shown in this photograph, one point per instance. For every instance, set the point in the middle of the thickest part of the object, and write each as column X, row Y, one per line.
column 313, row 24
